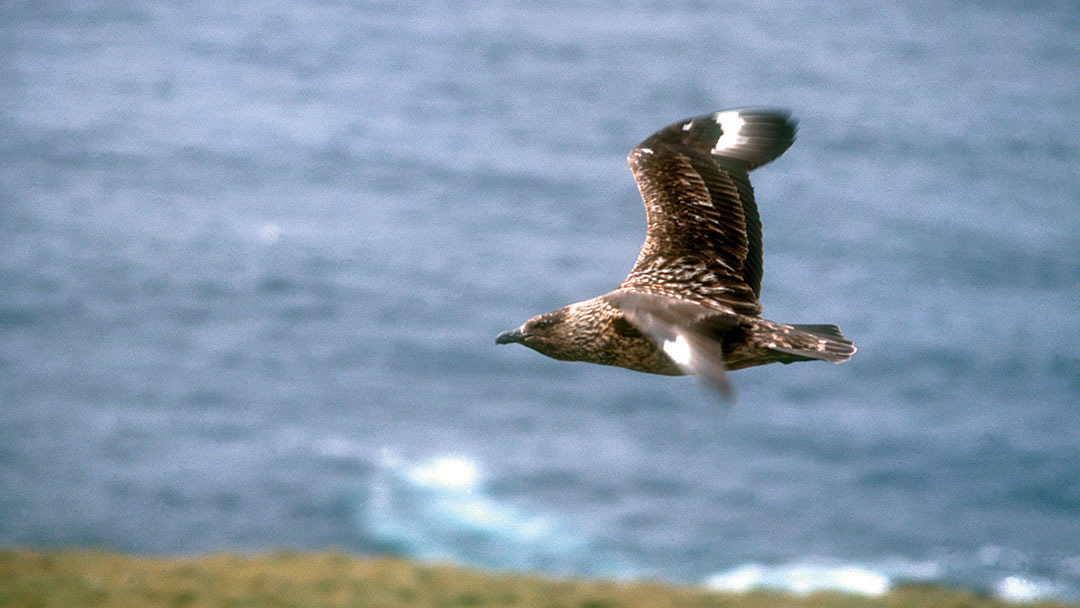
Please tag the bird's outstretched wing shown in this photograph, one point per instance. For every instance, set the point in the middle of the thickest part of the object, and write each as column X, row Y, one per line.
column 703, row 241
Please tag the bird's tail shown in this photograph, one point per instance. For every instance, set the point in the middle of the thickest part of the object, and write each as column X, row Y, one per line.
column 820, row 342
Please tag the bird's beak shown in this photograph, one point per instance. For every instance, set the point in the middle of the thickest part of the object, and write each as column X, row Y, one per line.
column 509, row 337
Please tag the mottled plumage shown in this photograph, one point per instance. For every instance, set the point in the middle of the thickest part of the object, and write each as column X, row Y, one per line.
column 690, row 304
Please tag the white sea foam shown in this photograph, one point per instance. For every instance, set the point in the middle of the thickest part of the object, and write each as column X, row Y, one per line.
column 1024, row 589
column 801, row 578
column 269, row 233
column 452, row 473
column 441, row 509
column 871, row 580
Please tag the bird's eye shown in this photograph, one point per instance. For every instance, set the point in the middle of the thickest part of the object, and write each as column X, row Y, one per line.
column 542, row 324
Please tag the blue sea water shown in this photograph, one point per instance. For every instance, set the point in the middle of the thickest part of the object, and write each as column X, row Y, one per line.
column 253, row 257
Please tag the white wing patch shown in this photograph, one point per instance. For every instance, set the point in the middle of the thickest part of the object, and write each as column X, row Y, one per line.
column 731, row 124
column 679, row 351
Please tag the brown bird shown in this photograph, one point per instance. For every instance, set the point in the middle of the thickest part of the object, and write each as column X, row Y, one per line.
column 690, row 304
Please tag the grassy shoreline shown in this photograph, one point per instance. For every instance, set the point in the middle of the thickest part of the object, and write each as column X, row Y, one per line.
column 71, row 578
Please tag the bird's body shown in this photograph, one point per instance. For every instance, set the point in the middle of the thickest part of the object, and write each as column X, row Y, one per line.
column 690, row 304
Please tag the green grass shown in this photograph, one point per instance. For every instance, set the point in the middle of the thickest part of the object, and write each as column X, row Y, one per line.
column 66, row 579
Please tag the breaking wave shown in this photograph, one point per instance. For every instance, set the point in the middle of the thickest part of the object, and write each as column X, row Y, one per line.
column 821, row 575
column 441, row 509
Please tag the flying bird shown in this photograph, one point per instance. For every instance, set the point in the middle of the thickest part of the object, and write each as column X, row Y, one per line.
column 690, row 304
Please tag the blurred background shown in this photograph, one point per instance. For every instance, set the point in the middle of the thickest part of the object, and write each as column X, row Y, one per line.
column 253, row 257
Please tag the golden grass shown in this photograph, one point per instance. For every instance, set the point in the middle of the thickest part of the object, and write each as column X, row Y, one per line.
column 67, row 579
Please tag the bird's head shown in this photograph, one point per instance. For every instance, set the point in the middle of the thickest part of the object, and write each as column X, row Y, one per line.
column 547, row 333
column 568, row 334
